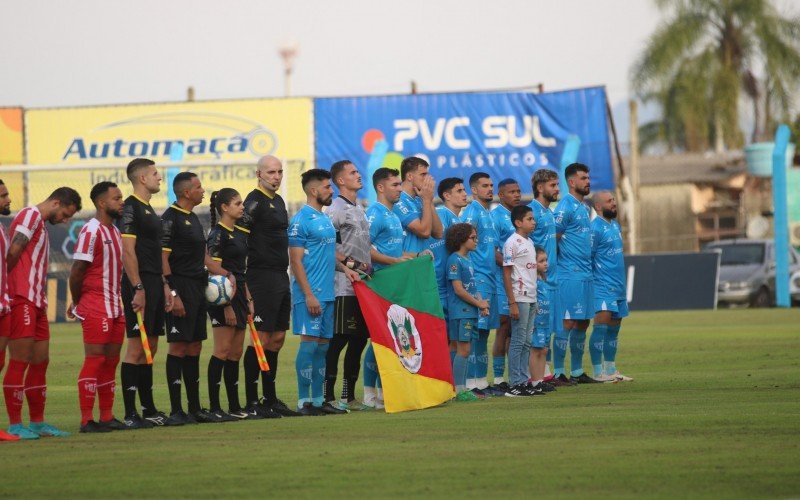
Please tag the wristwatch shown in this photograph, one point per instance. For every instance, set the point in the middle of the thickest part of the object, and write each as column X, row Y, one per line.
column 138, row 286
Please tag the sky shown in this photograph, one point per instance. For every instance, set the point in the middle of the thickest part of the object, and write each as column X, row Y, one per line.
column 71, row 52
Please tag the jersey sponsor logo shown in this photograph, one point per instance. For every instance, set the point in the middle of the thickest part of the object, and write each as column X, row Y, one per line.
column 405, row 337
column 174, row 330
column 214, row 322
column 26, row 315
column 187, row 222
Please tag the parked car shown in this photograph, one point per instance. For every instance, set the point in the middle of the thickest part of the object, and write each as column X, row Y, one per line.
column 747, row 272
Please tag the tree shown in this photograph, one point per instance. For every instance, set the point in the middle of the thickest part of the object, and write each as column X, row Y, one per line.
column 704, row 57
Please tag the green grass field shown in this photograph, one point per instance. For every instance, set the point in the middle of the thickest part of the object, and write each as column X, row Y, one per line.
column 714, row 412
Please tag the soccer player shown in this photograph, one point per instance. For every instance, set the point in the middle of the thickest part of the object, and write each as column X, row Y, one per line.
column 519, row 281
column 353, row 249
column 227, row 250
column 485, row 259
column 266, row 221
column 509, row 193
column 94, row 284
column 5, row 301
column 573, row 230
column 312, row 253
column 415, row 206
column 454, row 198
column 545, row 192
column 610, row 297
column 29, row 343
column 464, row 304
column 144, row 291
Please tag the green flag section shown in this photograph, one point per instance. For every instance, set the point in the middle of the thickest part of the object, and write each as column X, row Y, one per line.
column 401, row 307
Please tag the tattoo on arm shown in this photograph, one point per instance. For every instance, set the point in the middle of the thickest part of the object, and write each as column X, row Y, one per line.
column 20, row 239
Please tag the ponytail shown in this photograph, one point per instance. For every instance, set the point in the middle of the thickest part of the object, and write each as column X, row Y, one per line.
column 213, row 211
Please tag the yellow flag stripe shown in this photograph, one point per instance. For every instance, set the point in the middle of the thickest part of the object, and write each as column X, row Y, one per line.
column 403, row 390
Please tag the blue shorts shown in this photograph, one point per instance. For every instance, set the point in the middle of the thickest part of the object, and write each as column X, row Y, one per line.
column 487, row 291
column 574, row 300
column 502, row 302
column 462, row 330
column 443, row 300
column 314, row 326
column 618, row 308
column 540, row 339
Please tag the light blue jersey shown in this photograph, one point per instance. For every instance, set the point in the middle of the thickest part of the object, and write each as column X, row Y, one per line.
column 460, row 269
column 608, row 264
column 436, row 246
column 505, row 228
column 544, row 236
column 575, row 246
column 483, row 257
column 408, row 210
column 313, row 231
column 385, row 232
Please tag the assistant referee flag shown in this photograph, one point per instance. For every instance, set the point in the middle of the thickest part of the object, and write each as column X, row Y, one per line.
column 401, row 307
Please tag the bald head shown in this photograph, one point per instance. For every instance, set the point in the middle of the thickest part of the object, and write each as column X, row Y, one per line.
column 605, row 204
column 270, row 173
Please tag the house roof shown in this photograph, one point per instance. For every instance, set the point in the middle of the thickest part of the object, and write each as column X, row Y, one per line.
column 695, row 168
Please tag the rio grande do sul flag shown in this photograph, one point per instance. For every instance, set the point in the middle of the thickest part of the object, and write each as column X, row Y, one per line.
column 401, row 307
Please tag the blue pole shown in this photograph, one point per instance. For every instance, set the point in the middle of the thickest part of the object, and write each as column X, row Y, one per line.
column 779, row 201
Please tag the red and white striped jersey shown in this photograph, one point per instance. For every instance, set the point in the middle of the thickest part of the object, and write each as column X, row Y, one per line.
column 5, row 300
column 28, row 279
column 101, row 247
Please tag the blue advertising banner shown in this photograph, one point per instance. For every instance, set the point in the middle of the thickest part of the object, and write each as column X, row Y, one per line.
column 505, row 134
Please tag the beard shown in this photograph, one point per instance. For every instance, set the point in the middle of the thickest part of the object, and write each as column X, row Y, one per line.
column 114, row 214
column 6, row 210
column 550, row 197
column 325, row 202
column 583, row 192
column 609, row 213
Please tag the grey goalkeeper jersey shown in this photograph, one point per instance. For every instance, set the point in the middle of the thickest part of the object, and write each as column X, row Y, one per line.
column 352, row 237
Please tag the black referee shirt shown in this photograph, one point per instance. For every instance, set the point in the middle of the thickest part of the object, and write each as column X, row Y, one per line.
column 266, row 220
column 185, row 241
column 139, row 220
column 228, row 246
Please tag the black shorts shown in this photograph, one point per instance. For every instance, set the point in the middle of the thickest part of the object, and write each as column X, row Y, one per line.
column 192, row 326
column 153, row 306
column 347, row 317
column 240, row 309
column 272, row 299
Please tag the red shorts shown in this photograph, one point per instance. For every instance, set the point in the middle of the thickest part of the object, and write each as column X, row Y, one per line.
column 103, row 330
column 28, row 321
column 5, row 325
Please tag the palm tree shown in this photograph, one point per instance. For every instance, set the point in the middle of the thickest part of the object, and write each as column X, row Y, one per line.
column 707, row 54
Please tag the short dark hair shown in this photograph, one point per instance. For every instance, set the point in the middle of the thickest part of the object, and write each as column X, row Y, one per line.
column 100, row 189
column 382, row 174
column 338, row 167
column 315, row 174
column 474, row 178
column 410, row 165
column 573, row 168
column 519, row 212
column 448, row 184
column 135, row 165
column 67, row 196
column 507, row 182
column 178, row 183
column 456, row 235
column 540, row 177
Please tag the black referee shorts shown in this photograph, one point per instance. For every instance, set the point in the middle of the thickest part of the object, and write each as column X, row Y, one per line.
column 240, row 309
column 272, row 299
column 192, row 326
column 153, row 306
column 347, row 317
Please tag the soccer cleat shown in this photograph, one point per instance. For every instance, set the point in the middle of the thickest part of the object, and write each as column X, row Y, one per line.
column 46, row 430
column 203, row 416
column 479, row 393
column 114, row 425
column 620, row 377
column 503, row 386
column 224, row 417
column 22, row 432
column 562, row 381
column 188, row 418
column 584, row 379
column 548, row 378
column 516, row 391
column 157, row 418
column 605, row 378
column 309, row 410
column 175, row 419
column 466, row 396
column 4, row 436
column 134, row 421
column 533, row 390
column 263, row 410
column 547, row 387
column 281, row 409
column 354, row 405
column 495, row 390
column 239, row 414
column 328, row 408
column 91, row 427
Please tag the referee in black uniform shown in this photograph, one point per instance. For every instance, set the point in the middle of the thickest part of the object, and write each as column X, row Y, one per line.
column 266, row 220
column 144, row 290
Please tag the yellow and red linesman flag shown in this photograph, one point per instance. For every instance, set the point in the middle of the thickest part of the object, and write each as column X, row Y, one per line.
column 404, row 315
column 262, row 358
column 148, row 354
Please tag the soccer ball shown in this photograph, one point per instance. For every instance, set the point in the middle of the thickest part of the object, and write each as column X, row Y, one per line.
column 219, row 290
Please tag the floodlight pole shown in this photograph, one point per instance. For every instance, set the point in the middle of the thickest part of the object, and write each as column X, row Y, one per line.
column 288, row 53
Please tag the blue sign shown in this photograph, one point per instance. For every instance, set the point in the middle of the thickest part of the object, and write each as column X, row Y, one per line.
column 508, row 134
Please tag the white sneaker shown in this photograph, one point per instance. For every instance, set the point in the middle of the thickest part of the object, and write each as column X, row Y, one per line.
column 379, row 404
column 605, row 378
column 620, row 377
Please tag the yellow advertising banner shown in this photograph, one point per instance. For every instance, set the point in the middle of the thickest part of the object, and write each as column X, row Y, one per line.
column 11, row 152
column 239, row 131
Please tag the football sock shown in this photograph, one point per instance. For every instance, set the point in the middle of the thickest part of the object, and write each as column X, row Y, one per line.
column 596, row 342
column 460, row 372
column 303, row 364
column 13, row 390
column 36, row 390
column 191, row 379
column 232, row 384
column 87, row 385
column 146, row 389
column 268, row 378
column 215, row 367
column 498, row 368
column 610, row 348
column 482, row 357
column 129, row 378
column 370, row 368
column 337, row 344
column 251, row 374
column 174, row 382
column 318, row 373
column 471, row 363
column 577, row 342
column 106, row 387
column 560, row 343
column 352, row 365
column 452, row 358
